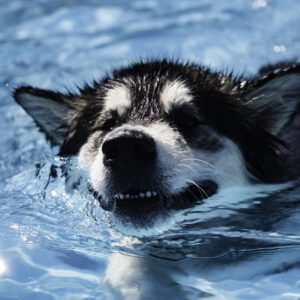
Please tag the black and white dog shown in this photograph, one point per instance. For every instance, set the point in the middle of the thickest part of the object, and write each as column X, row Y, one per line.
column 161, row 135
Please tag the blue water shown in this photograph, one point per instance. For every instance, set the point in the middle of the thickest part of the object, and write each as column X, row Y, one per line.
column 242, row 244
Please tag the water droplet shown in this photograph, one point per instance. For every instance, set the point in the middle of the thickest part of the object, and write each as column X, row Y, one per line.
column 279, row 48
column 257, row 4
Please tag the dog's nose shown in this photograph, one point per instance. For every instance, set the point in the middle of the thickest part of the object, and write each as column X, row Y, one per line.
column 127, row 148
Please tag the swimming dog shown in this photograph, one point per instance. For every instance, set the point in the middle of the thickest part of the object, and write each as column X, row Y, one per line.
column 163, row 135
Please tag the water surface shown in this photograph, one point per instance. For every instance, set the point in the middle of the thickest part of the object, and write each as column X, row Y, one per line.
column 242, row 244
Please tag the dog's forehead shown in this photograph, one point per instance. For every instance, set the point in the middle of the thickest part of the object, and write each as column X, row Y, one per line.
column 140, row 94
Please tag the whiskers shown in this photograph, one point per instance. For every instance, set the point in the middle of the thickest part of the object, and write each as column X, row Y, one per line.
column 201, row 190
column 197, row 160
column 181, row 199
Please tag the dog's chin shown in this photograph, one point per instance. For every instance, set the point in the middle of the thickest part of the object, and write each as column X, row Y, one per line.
column 144, row 207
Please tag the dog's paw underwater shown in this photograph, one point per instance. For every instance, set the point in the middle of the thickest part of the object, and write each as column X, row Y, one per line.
column 158, row 136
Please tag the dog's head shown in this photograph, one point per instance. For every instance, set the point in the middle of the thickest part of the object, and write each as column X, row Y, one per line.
column 163, row 135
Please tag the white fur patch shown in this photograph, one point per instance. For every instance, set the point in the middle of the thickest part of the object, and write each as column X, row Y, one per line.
column 183, row 165
column 117, row 98
column 174, row 92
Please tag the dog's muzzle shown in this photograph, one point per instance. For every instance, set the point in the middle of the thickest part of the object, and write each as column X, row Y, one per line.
column 134, row 182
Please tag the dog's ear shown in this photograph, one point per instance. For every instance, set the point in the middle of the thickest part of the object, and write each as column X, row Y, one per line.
column 50, row 110
column 274, row 102
column 275, row 99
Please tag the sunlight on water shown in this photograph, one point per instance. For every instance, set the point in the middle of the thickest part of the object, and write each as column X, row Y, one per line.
column 55, row 242
column 2, row 267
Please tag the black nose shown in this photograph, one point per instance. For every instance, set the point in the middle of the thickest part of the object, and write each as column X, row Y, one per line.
column 128, row 148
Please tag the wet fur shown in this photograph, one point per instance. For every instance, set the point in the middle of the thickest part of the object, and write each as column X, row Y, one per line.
column 222, row 102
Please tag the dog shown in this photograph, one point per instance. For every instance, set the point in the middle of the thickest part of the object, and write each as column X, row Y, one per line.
column 158, row 136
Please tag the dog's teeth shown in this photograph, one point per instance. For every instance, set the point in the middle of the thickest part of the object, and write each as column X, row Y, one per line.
column 146, row 194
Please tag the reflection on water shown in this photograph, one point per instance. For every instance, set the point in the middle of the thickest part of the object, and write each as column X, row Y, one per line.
column 2, row 267
column 63, row 244
column 241, row 243
column 248, row 239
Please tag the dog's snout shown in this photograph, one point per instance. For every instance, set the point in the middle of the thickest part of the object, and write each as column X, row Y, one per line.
column 128, row 148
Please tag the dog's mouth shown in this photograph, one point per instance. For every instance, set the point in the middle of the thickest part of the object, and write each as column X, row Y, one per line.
column 144, row 200
column 133, row 197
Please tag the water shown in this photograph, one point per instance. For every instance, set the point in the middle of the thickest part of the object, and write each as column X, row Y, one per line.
column 242, row 244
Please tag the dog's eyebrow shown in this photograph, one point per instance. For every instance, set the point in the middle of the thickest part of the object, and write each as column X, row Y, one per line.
column 117, row 98
column 174, row 93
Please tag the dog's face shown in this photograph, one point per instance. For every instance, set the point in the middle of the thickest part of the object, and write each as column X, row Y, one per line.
column 152, row 147
column 156, row 136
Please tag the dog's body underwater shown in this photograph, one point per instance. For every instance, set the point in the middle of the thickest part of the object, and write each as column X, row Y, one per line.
column 161, row 135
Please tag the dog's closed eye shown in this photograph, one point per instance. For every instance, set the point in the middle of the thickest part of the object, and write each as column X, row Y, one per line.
column 109, row 124
column 186, row 122
column 184, row 119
